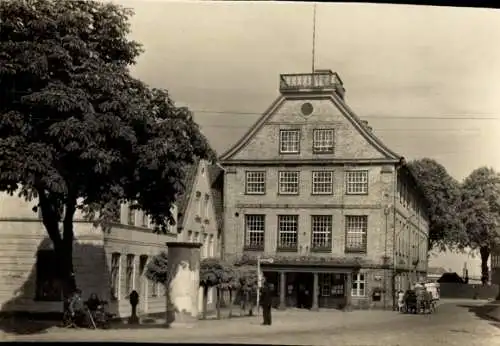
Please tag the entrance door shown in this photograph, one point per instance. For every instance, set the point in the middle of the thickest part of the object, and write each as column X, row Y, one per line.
column 304, row 287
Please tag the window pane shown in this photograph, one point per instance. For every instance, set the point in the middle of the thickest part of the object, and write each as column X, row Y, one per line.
column 289, row 141
column 288, row 183
column 323, row 141
column 321, row 232
column 322, row 182
column 254, row 231
column 356, row 233
column 287, row 229
column 255, row 182
column 357, row 182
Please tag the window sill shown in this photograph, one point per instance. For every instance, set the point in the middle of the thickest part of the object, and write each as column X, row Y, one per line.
column 322, row 249
column 356, row 193
column 356, row 251
column 253, row 248
column 287, row 249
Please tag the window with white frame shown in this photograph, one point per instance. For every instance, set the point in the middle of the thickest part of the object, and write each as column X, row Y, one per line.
column 115, row 275
column 288, row 227
column 331, row 285
column 356, row 182
column 254, row 231
column 145, row 220
column 205, row 245
column 198, row 203
column 358, row 285
column 211, row 246
column 154, row 289
column 207, row 206
column 325, row 284
column 356, row 228
column 255, row 182
column 131, row 216
column 322, row 182
column 289, row 141
column 321, row 237
column 323, row 141
column 196, row 238
column 129, row 274
column 289, row 182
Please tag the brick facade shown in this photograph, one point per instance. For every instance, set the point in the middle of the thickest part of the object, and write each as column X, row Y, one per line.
column 355, row 148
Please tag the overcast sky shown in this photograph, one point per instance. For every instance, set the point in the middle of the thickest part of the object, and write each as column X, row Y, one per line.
column 223, row 60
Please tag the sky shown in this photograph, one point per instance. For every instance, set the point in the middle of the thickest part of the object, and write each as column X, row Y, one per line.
column 434, row 70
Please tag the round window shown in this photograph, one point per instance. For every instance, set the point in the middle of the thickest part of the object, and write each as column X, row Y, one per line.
column 307, row 109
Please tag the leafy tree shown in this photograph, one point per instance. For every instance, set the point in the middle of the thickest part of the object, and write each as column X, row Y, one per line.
column 248, row 285
column 480, row 211
column 443, row 194
column 156, row 270
column 215, row 273
column 76, row 130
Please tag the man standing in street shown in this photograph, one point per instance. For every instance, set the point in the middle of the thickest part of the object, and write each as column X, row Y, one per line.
column 266, row 298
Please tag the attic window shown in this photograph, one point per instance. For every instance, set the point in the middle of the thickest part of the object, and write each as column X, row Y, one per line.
column 307, row 109
column 202, row 170
column 198, row 194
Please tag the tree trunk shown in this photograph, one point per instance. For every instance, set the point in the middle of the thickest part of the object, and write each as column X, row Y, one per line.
column 218, row 303
column 485, row 272
column 205, row 302
column 231, row 302
column 63, row 245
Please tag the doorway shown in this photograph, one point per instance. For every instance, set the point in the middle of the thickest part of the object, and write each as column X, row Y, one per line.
column 304, row 286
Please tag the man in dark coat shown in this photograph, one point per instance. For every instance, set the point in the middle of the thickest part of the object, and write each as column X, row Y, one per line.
column 266, row 300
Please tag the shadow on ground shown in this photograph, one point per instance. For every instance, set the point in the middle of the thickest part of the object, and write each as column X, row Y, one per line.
column 482, row 311
column 15, row 317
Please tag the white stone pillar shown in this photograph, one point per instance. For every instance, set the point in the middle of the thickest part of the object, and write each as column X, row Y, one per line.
column 183, row 264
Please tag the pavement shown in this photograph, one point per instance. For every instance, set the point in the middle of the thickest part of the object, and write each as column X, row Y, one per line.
column 454, row 323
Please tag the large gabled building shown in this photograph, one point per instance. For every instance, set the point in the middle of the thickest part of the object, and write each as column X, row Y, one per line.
column 336, row 215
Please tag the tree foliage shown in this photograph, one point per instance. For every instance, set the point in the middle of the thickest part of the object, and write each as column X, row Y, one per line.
column 443, row 194
column 77, row 131
column 157, row 270
column 480, row 213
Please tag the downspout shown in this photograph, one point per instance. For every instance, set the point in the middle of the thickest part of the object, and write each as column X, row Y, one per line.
column 395, row 187
column 223, row 226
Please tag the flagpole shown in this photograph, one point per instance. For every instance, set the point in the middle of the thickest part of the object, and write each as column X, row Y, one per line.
column 314, row 38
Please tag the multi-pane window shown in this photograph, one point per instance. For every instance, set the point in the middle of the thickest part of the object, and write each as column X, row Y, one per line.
column 254, row 231
column 129, row 274
column 288, row 232
column 289, row 183
column 357, row 182
column 322, row 182
column 358, row 285
column 145, row 219
column 331, row 285
column 255, row 182
column 115, row 275
column 323, row 141
column 356, row 227
column 131, row 216
column 321, row 232
column 289, row 141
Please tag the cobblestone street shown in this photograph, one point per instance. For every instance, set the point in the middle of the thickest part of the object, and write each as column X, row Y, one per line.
column 452, row 324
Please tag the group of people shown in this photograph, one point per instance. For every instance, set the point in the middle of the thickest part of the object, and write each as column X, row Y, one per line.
column 78, row 310
column 424, row 296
